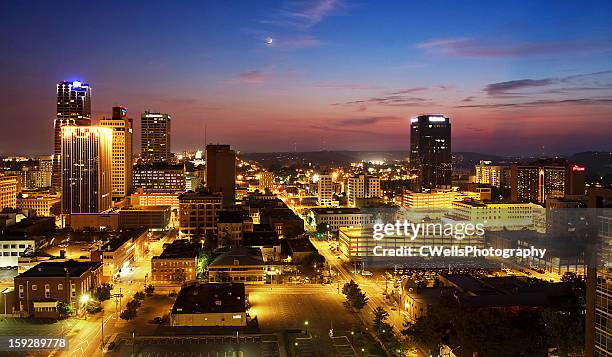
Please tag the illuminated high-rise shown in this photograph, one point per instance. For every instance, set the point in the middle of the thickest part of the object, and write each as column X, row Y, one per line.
column 122, row 169
column 362, row 186
column 86, row 169
column 325, row 190
column 430, row 150
column 73, row 108
column 155, row 137
column 546, row 178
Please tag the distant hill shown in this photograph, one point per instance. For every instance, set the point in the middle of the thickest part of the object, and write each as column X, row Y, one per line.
column 598, row 163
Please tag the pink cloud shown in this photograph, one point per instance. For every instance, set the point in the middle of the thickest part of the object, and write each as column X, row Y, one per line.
column 468, row 47
column 254, row 76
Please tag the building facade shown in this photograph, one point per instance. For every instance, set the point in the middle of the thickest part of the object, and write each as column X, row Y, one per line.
column 362, row 186
column 8, row 192
column 86, row 169
column 335, row 218
column 159, row 177
column 221, row 172
column 73, row 108
column 41, row 202
column 543, row 179
column 493, row 175
column 155, row 140
column 121, row 161
column 11, row 248
column 325, row 190
column 40, row 289
column 210, row 305
column 177, row 263
column 266, row 181
column 198, row 213
column 430, row 150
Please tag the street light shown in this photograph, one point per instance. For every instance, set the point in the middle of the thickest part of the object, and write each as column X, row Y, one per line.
column 306, row 324
column 84, row 300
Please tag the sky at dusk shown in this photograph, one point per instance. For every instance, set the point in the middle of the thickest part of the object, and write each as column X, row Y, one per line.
column 515, row 77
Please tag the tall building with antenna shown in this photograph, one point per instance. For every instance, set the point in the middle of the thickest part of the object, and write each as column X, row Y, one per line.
column 73, row 108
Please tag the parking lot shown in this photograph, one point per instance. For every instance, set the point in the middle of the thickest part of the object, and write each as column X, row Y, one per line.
column 199, row 346
column 286, row 306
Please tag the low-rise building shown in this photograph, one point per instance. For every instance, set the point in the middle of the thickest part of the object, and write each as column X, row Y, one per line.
column 239, row 264
column 41, row 202
column 198, row 212
column 438, row 199
column 210, row 305
column 148, row 217
column 40, row 289
column 498, row 215
column 300, row 249
column 265, row 239
column 177, row 263
column 286, row 223
column 335, row 218
column 13, row 247
column 358, row 244
column 231, row 226
column 141, row 198
column 118, row 253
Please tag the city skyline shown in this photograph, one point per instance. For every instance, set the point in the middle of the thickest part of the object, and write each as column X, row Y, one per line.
column 278, row 76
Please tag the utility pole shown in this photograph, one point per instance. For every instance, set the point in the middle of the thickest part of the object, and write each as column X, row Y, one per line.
column 102, row 345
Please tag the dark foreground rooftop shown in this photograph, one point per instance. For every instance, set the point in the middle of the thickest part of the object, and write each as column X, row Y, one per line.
column 210, row 298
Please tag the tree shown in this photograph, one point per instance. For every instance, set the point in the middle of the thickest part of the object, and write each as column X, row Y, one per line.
column 64, row 308
column 149, row 290
column 133, row 305
column 348, row 287
column 139, row 296
column 103, row 292
column 564, row 330
column 202, row 262
column 380, row 318
column 127, row 314
column 355, row 298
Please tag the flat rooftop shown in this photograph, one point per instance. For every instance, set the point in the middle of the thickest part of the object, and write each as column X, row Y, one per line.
column 339, row 210
column 210, row 298
column 123, row 237
column 180, row 248
column 49, row 269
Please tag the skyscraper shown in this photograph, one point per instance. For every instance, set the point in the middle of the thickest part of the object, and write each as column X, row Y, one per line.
column 155, row 139
column 86, row 169
column 73, row 108
column 430, row 150
column 221, row 171
column 122, row 128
